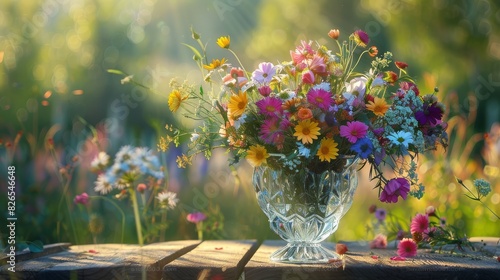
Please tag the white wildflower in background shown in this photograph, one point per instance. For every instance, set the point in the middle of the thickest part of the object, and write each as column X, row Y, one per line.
column 100, row 161
column 168, row 199
column 104, row 184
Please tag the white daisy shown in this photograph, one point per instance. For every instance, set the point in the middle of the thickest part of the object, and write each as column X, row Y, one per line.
column 401, row 138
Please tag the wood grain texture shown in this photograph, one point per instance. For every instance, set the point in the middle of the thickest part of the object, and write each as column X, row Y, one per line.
column 215, row 259
column 102, row 261
column 359, row 264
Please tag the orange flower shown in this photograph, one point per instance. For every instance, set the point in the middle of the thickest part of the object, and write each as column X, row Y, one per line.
column 304, row 114
column 334, row 34
column 378, row 106
column 373, row 51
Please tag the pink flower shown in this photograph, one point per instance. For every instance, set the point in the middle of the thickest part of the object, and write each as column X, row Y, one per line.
column 265, row 91
column 353, row 131
column 196, row 217
column 141, row 187
column 430, row 210
column 264, row 74
column 302, row 52
column 317, row 65
column 407, row 248
column 271, row 131
column 394, row 188
column 269, row 106
column 321, row 98
column 308, row 77
column 235, row 77
column 379, row 242
column 419, row 224
column 82, row 199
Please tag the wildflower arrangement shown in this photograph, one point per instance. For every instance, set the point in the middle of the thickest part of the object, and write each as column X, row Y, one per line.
column 136, row 172
column 313, row 112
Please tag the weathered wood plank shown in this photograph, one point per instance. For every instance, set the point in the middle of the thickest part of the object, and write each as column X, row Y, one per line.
column 212, row 260
column 359, row 264
column 27, row 255
column 102, row 261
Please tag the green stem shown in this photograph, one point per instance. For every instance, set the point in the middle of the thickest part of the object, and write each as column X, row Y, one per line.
column 489, row 209
column 199, row 228
column 138, row 227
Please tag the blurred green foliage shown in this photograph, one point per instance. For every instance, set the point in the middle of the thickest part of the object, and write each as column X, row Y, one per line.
column 53, row 85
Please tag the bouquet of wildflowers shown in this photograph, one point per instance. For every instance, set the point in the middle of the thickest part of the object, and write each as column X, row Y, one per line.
column 313, row 112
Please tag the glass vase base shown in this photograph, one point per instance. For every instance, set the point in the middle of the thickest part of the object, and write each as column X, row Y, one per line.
column 303, row 253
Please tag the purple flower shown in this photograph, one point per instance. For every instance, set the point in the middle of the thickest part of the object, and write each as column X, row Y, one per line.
column 361, row 38
column 431, row 114
column 380, row 214
column 82, row 199
column 394, row 188
column 196, row 217
column 363, row 147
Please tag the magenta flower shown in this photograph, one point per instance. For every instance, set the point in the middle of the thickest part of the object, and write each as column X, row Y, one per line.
column 269, row 106
column 320, row 98
column 394, row 188
column 419, row 224
column 379, row 242
column 407, row 248
column 196, row 217
column 265, row 91
column 361, row 38
column 308, row 77
column 353, row 131
column 81, row 199
column 271, row 132
column 264, row 73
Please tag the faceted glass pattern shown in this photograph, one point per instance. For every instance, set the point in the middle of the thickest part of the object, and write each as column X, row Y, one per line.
column 305, row 208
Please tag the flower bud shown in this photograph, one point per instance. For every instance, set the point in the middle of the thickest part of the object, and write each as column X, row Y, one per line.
column 334, row 34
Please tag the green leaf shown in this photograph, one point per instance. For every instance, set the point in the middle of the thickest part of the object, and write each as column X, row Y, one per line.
column 21, row 245
column 195, row 51
column 118, row 72
column 36, row 246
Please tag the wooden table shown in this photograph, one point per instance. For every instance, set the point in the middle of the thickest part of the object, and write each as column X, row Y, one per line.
column 244, row 259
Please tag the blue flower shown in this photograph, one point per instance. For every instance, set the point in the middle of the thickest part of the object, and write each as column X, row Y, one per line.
column 363, row 147
column 303, row 151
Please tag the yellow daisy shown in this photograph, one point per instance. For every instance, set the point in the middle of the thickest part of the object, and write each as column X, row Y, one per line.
column 175, row 99
column 257, row 155
column 237, row 105
column 379, row 106
column 215, row 64
column 327, row 150
column 306, row 131
column 224, row 42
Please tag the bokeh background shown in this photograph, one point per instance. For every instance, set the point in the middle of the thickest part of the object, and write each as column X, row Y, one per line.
column 59, row 106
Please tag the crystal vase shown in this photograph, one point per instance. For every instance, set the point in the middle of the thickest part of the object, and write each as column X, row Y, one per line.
column 305, row 207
